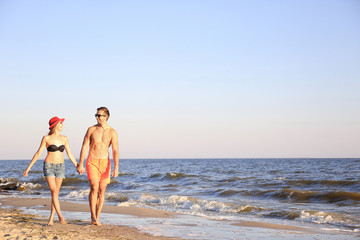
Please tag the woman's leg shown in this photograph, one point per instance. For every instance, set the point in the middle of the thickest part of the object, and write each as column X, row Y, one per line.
column 52, row 213
column 55, row 185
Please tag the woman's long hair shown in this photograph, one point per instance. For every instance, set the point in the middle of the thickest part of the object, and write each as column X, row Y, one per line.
column 52, row 130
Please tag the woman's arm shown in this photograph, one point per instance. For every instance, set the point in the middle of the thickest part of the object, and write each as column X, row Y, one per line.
column 68, row 151
column 36, row 156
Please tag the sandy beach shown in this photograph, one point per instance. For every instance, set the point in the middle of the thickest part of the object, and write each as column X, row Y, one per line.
column 17, row 224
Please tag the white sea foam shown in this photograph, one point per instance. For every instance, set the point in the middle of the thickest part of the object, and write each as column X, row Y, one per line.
column 279, row 178
column 78, row 194
column 334, row 219
column 127, row 204
column 116, row 197
column 147, row 198
column 188, row 205
column 31, row 185
column 316, row 217
column 4, row 181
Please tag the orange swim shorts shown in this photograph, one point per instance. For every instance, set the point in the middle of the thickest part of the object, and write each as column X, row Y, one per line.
column 97, row 168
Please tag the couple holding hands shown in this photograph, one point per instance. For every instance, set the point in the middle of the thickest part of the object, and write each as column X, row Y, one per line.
column 97, row 140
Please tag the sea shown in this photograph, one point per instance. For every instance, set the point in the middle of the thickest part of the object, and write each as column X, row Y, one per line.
column 213, row 194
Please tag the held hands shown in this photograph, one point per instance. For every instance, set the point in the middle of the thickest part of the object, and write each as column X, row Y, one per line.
column 80, row 169
column 26, row 173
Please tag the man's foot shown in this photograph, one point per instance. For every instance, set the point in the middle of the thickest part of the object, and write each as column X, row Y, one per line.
column 95, row 222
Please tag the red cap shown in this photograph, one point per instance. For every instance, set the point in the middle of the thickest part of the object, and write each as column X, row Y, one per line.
column 55, row 120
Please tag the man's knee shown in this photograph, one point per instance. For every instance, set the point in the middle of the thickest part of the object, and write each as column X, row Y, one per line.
column 102, row 188
column 94, row 186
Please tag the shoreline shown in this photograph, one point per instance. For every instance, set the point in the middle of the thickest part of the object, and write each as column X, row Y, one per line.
column 44, row 204
column 137, row 223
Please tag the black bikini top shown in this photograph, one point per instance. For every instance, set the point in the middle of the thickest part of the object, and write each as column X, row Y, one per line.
column 54, row 148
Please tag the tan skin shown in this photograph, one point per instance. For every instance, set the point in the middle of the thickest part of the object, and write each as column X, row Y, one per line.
column 97, row 140
column 53, row 157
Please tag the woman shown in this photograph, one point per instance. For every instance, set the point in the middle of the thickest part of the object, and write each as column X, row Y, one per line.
column 54, row 167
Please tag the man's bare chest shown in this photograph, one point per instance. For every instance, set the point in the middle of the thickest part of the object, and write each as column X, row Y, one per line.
column 102, row 136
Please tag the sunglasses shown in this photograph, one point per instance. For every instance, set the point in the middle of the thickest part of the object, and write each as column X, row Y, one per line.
column 99, row 115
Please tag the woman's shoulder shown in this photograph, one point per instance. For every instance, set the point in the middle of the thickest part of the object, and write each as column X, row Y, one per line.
column 53, row 138
column 63, row 137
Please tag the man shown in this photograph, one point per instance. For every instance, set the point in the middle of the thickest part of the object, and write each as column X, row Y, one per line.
column 98, row 139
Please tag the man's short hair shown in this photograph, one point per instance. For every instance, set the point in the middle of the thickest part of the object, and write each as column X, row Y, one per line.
column 105, row 110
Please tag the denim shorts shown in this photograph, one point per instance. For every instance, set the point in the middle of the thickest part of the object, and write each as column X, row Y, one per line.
column 56, row 170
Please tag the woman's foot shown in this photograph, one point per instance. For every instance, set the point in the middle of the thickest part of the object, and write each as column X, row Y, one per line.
column 62, row 221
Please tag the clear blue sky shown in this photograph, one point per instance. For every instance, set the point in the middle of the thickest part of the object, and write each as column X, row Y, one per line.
column 184, row 79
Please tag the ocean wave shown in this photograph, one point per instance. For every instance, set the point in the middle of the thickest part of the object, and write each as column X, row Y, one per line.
column 170, row 175
column 235, row 179
column 33, row 186
column 78, row 194
column 12, row 184
column 40, row 180
column 82, row 194
column 131, row 186
column 320, row 217
column 332, row 183
column 116, row 197
column 248, row 209
column 173, row 175
column 125, row 174
column 201, row 206
column 192, row 205
column 69, row 181
column 9, row 186
column 149, row 199
column 283, row 214
column 228, row 192
column 308, row 196
column 171, row 186
column 7, row 180
column 155, row 175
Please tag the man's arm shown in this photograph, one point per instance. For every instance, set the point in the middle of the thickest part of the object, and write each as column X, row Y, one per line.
column 115, row 152
column 84, row 149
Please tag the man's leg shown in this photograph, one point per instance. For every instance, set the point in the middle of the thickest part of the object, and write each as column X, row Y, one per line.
column 93, row 198
column 100, row 200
